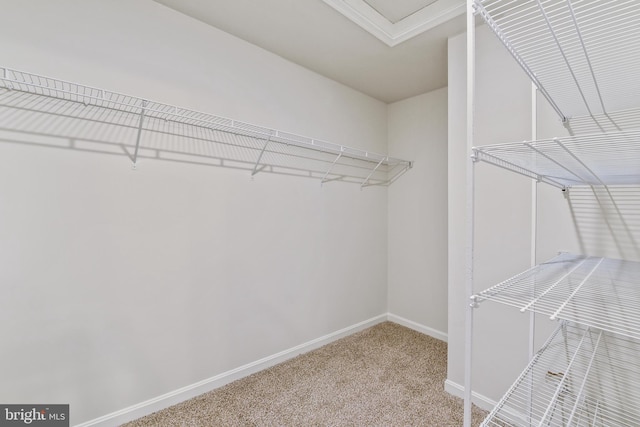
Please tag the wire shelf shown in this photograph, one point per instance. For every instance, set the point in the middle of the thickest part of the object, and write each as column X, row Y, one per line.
column 581, row 377
column 599, row 292
column 596, row 159
column 581, row 54
column 27, row 98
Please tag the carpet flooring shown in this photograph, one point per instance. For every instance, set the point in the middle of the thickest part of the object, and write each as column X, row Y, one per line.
column 386, row 375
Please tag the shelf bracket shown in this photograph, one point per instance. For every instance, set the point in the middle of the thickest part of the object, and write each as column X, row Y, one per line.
column 552, row 160
column 586, row 54
column 474, row 155
column 324, row 178
column 372, row 172
column 564, row 55
column 255, row 167
column 569, row 152
column 474, row 301
column 135, row 153
column 514, row 53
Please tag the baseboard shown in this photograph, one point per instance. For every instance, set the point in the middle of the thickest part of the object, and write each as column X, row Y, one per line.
column 479, row 400
column 185, row 393
column 442, row 336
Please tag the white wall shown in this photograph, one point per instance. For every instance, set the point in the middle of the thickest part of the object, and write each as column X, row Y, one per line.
column 122, row 285
column 417, row 272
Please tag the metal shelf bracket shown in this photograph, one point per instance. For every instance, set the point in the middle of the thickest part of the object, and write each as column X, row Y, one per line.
column 255, row 167
column 135, row 153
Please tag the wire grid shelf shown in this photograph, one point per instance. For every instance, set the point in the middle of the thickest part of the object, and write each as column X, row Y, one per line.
column 581, row 54
column 155, row 129
column 596, row 159
column 599, row 292
column 582, row 376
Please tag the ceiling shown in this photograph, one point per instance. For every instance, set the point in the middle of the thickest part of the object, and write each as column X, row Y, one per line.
column 388, row 49
column 395, row 11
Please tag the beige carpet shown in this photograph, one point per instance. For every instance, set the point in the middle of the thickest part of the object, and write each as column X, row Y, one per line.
column 387, row 375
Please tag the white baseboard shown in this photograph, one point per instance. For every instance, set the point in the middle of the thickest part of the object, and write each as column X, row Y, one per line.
column 442, row 336
column 185, row 393
column 479, row 400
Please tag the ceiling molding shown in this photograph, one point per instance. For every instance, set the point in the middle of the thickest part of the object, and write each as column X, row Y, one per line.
column 361, row 13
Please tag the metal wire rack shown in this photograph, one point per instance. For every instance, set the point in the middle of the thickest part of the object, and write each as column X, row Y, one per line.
column 582, row 376
column 599, row 292
column 597, row 159
column 151, row 128
column 583, row 57
column 582, row 54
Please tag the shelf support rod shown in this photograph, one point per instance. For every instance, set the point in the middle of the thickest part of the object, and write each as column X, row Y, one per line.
column 255, row 167
column 584, row 382
column 575, row 291
column 586, row 54
column 135, row 153
column 532, row 76
column 560, row 387
column 564, row 147
column 580, row 179
column 372, row 172
column 324, row 178
column 564, row 55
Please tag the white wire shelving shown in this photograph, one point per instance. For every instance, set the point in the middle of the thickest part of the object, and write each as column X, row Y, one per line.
column 596, row 159
column 583, row 57
column 153, row 128
column 581, row 54
column 582, row 376
column 599, row 292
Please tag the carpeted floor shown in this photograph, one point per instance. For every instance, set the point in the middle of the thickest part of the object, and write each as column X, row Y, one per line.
column 387, row 375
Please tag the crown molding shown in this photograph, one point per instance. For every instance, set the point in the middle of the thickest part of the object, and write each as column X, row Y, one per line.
column 392, row 34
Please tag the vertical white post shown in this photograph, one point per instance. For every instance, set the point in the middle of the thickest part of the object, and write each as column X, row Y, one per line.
column 470, row 212
column 534, row 235
column 534, row 215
